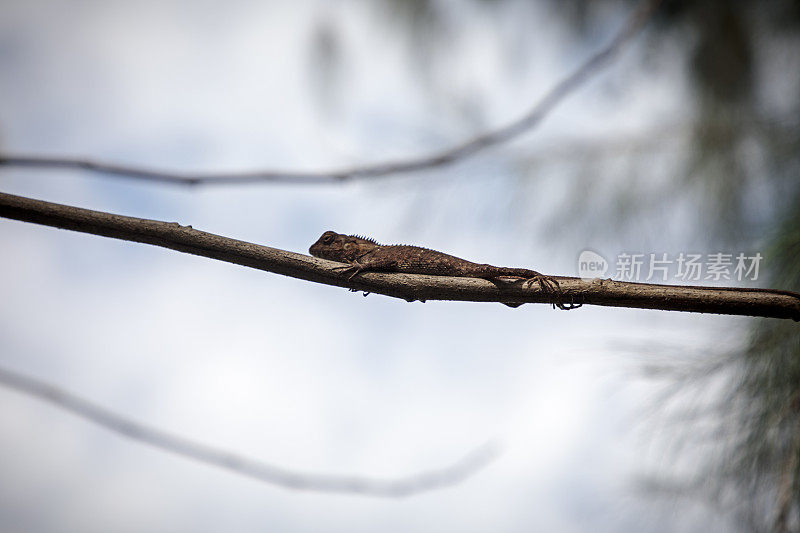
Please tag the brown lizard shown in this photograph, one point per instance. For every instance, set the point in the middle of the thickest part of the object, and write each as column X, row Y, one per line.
column 362, row 255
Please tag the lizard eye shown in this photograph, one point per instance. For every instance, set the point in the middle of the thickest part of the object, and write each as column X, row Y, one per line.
column 328, row 239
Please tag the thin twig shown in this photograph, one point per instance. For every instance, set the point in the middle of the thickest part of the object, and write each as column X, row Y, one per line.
column 529, row 120
column 721, row 300
column 274, row 475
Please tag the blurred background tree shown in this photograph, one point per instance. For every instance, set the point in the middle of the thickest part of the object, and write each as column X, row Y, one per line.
column 734, row 183
column 722, row 173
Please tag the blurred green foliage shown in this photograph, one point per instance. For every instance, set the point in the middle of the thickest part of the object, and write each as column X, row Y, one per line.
column 741, row 167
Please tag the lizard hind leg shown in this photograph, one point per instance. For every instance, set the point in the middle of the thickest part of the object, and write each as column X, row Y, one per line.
column 550, row 286
column 547, row 284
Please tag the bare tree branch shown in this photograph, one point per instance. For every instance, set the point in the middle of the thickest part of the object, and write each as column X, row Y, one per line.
column 721, row 300
column 407, row 486
column 532, row 118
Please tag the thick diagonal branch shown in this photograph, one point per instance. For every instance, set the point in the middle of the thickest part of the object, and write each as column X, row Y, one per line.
column 720, row 300
column 529, row 120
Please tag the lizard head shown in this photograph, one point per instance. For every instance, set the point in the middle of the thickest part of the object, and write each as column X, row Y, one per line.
column 343, row 248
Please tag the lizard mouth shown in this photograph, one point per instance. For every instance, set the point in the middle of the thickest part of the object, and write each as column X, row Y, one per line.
column 319, row 251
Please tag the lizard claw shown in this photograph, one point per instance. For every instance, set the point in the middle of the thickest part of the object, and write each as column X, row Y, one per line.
column 353, row 268
column 551, row 287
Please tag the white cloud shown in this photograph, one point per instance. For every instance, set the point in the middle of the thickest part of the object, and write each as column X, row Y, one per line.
column 300, row 375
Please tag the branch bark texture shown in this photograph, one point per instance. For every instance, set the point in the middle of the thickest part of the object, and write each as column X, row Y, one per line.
column 720, row 300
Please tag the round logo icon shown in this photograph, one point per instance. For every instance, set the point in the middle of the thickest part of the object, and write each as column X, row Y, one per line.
column 591, row 265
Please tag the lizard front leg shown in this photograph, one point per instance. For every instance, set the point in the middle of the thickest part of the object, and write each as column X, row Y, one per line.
column 366, row 262
column 354, row 268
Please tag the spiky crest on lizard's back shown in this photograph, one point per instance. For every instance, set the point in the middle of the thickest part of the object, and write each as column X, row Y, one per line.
column 369, row 240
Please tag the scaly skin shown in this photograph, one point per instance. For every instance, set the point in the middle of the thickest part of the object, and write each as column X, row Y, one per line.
column 363, row 255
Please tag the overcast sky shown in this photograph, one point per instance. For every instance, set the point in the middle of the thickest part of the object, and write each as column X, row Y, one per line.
column 300, row 375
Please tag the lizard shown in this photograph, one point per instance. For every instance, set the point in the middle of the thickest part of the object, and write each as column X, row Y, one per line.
column 362, row 254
